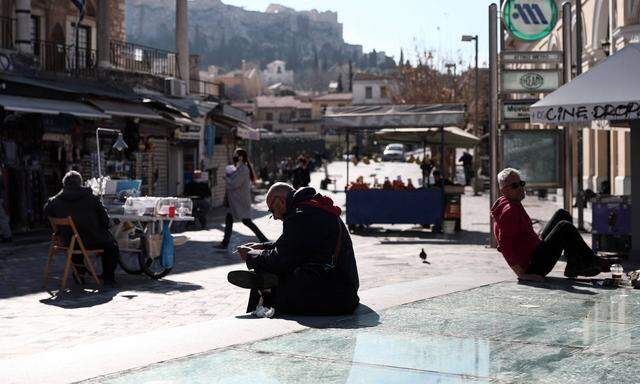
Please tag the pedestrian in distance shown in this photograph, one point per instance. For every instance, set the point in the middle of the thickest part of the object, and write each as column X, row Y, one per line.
column 311, row 268
column 467, row 165
column 238, row 192
column 533, row 256
column 301, row 175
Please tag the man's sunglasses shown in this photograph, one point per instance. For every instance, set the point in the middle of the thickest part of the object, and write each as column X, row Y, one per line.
column 517, row 185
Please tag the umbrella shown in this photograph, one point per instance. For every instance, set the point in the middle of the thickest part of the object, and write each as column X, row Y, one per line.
column 453, row 136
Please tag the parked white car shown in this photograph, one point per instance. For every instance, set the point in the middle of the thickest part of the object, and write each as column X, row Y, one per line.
column 394, row 152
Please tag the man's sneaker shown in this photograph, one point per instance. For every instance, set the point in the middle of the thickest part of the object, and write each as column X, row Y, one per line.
column 252, row 280
column 264, row 312
column 589, row 271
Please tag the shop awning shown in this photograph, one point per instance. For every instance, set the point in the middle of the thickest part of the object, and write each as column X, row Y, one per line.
column 183, row 121
column 608, row 91
column 119, row 108
column 50, row 107
column 453, row 136
column 394, row 116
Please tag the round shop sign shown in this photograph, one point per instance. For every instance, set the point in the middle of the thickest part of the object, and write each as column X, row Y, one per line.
column 530, row 19
column 531, row 81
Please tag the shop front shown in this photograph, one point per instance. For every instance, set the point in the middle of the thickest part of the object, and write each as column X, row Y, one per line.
column 41, row 140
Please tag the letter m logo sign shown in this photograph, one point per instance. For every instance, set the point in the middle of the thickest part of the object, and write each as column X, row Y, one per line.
column 530, row 14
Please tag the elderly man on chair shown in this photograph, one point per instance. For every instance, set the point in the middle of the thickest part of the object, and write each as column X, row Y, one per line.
column 531, row 256
column 91, row 220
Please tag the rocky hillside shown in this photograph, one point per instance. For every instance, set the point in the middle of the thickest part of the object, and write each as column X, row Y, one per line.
column 224, row 35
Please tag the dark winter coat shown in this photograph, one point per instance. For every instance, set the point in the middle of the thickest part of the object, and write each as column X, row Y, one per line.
column 302, row 258
column 88, row 213
column 301, row 177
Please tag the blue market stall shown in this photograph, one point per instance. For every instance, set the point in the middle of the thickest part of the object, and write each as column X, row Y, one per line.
column 423, row 124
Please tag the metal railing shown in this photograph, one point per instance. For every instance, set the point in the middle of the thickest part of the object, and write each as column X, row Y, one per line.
column 60, row 58
column 203, row 88
column 138, row 58
column 6, row 32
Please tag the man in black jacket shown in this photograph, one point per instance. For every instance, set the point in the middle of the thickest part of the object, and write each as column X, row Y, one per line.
column 311, row 269
column 90, row 218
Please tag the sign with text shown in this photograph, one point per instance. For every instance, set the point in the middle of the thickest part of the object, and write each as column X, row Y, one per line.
column 530, row 80
column 536, row 153
column 532, row 57
column 586, row 113
column 516, row 110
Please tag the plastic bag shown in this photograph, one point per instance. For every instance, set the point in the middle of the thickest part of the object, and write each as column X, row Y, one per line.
column 167, row 247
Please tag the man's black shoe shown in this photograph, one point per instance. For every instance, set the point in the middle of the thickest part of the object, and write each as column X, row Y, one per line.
column 221, row 246
column 252, row 280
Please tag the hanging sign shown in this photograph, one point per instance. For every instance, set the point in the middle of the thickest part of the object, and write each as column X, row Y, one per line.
column 192, row 133
column 509, row 57
column 530, row 80
column 530, row 20
column 585, row 113
column 516, row 110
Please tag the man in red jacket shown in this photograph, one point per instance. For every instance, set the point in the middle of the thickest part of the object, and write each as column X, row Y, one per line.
column 531, row 256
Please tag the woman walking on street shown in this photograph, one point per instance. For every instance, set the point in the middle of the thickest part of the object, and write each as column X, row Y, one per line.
column 239, row 197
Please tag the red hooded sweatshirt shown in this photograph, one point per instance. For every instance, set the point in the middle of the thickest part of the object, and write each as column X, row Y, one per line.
column 514, row 232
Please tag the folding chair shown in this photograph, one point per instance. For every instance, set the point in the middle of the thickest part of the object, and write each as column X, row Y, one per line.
column 58, row 246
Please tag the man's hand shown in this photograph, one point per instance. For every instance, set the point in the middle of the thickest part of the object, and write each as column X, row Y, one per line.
column 255, row 246
column 243, row 251
column 536, row 278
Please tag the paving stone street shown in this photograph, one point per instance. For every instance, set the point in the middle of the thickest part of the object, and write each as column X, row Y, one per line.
column 34, row 321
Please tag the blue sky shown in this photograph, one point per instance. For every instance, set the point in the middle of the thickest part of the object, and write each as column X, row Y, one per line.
column 428, row 25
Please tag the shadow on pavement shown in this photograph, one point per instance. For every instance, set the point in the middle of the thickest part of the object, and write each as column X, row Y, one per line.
column 579, row 286
column 78, row 297
column 363, row 317
column 424, row 236
column 21, row 272
column 91, row 295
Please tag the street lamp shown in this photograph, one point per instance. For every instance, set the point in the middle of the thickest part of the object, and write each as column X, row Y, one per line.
column 119, row 145
column 468, row 38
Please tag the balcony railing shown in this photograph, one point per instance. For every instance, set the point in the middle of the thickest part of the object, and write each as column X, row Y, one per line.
column 138, row 58
column 60, row 58
column 203, row 88
column 6, row 32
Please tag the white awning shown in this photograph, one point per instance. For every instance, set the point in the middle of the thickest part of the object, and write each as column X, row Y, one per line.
column 608, row 91
column 453, row 136
column 394, row 116
column 50, row 107
column 119, row 108
column 248, row 133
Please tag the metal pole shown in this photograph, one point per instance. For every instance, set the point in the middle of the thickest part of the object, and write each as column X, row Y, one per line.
column 347, row 140
column 442, row 158
column 612, row 50
column 635, row 192
column 580, row 175
column 98, row 147
column 425, row 181
column 493, row 112
column 568, row 129
column 476, row 125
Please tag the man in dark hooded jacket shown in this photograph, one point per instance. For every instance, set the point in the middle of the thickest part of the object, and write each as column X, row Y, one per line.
column 91, row 220
column 311, row 269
